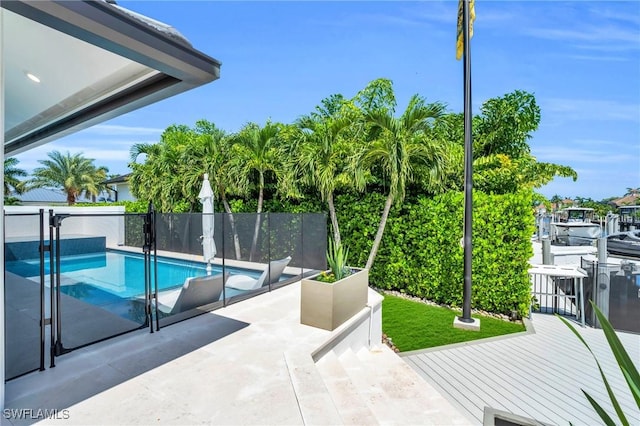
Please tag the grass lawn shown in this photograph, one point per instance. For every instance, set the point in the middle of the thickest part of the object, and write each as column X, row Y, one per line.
column 414, row 325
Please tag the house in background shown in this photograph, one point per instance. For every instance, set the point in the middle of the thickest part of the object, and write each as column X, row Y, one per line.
column 120, row 186
column 631, row 199
column 43, row 197
column 54, row 197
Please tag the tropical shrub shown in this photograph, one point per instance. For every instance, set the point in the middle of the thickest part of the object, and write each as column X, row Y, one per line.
column 337, row 256
column 421, row 254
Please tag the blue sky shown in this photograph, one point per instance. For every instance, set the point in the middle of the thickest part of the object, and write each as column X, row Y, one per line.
column 280, row 59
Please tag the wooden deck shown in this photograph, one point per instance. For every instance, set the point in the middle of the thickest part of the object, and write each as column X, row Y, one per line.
column 537, row 375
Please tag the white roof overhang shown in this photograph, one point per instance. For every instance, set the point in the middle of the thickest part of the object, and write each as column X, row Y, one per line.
column 94, row 61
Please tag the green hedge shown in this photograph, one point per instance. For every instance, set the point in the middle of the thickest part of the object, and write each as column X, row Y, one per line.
column 421, row 253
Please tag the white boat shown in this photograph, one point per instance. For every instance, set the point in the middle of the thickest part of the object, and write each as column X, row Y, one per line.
column 624, row 244
column 574, row 226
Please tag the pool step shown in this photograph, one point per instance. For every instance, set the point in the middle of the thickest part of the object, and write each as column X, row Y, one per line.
column 381, row 388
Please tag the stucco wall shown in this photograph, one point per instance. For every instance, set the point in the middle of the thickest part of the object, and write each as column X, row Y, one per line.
column 22, row 222
column 124, row 192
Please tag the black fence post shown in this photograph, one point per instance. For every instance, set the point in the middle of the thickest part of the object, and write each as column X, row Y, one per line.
column 57, row 222
column 42, row 290
column 224, row 256
column 146, row 249
column 269, row 248
column 54, row 308
column 154, row 241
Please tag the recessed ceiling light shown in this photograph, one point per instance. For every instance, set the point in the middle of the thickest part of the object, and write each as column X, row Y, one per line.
column 32, row 77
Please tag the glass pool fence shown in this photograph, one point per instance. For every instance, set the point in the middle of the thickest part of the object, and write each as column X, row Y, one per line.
column 75, row 279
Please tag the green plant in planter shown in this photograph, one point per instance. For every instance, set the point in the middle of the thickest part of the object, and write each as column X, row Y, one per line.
column 337, row 260
column 627, row 368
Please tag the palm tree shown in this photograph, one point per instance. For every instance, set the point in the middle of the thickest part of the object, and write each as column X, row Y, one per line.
column 556, row 200
column 11, row 175
column 211, row 153
column 75, row 174
column 161, row 177
column 398, row 146
column 255, row 150
column 321, row 156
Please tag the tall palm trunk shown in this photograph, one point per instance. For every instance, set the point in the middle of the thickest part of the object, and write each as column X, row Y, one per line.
column 334, row 219
column 383, row 223
column 256, row 229
column 71, row 198
column 232, row 222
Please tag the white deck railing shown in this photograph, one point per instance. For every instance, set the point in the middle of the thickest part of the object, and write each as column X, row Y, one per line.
column 559, row 288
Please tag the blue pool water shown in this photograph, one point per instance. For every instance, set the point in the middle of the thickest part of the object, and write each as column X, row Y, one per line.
column 97, row 278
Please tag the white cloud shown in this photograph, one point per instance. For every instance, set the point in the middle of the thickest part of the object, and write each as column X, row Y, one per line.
column 598, row 58
column 113, row 153
column 403, row 14
column 573, row 23
column 107, row 154
column 389, row 20
column 591, row 183
column 590, row 109
column 599, row 34
column 631, row 18
column 442, row 12
column 572, row 153
column 375, row 19
column 601, row 143
column 446, row 12
column 609, row 48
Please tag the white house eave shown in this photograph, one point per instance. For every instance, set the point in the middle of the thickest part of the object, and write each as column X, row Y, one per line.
column 136, row 61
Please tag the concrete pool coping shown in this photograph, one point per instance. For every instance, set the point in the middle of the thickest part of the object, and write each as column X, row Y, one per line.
column 242, row 264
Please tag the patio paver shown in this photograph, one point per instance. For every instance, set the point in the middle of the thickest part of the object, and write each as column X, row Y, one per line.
column 248, row 363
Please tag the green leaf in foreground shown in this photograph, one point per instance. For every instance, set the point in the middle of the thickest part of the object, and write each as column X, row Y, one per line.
column 627, row 368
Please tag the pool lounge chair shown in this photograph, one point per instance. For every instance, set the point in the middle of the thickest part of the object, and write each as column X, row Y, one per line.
column 244, row 282
column 194, row 292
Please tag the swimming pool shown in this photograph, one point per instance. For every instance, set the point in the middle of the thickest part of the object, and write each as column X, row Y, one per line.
column 119, row 274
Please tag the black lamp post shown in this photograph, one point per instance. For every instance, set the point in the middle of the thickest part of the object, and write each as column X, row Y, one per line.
column 468, row 166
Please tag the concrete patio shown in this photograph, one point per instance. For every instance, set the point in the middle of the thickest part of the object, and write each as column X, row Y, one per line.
column 249, row 363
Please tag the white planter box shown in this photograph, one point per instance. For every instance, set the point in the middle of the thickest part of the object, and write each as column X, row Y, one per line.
column 328, row 305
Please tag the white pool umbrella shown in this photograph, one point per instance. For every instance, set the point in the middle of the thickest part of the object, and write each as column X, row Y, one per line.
column 208, row 244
